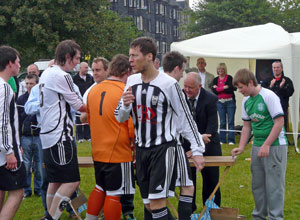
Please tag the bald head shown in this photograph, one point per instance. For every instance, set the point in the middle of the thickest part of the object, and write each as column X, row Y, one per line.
column 33, row 69
column 192, row 84
column 83, row 68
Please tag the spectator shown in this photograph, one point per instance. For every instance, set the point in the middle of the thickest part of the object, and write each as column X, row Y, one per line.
column 31, row 69
column 206, row 77
column 223, row 88
column 282, row 86
column 83, row 80
column 30, row 141
column 204, row 105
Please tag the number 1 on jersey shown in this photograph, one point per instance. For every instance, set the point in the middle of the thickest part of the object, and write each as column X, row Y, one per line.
column 101, row 102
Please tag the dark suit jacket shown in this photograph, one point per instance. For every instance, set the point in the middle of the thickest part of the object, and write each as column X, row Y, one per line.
column 206, row 118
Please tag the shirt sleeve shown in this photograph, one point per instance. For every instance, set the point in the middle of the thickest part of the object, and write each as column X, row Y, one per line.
column 6, row 145
column 122, row 112
column 32, row 106
column 274, row 106
column 65, row 87
column 188, row 126
column 245, row 116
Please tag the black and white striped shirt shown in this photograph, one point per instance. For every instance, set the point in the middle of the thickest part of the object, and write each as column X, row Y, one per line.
column 56, row 96
column 9, row 124
column 154, row 109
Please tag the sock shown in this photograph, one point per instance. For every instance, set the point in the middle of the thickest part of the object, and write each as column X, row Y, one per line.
column 160, row 214
column 185, row 207
column 147, row 214
column 95, row 203
column 170, row 216
column 112, row 208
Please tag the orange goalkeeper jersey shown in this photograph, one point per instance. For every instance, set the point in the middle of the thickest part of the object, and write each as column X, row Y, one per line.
column 110, row 139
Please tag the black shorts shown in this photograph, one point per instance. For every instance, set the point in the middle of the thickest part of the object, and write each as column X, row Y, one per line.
column 12, row 180
column 115, row 178
column 61, row 163
column 156, row 171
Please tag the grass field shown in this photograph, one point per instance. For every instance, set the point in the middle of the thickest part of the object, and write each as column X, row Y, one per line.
column 236, row 189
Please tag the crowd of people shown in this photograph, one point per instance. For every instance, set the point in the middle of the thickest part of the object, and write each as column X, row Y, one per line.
column 131, row 110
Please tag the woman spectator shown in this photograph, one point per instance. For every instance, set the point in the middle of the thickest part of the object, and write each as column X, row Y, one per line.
column 223, row 88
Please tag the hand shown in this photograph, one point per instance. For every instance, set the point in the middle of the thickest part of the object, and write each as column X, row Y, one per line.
column 236, row 151
column 199, row 162
column 11, row 161
column 225, row 87
column 128, row 97
column 189, row 154
column 282, row 82
column 264, row 151
column 272, row 83
column 214, row 86
column 205, row 138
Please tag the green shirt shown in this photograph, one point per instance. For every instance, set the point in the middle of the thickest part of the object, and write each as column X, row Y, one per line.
column 261, row 110
column 12, row 84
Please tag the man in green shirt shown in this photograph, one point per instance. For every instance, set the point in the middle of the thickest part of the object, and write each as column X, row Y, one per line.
column 262, row 113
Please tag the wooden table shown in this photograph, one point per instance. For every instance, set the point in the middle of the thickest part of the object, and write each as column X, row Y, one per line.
column 210, row 161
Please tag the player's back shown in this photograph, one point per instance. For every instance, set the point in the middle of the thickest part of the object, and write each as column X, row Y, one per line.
column 110, row 139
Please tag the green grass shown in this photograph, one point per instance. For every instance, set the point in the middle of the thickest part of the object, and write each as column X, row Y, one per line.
column 236, row 188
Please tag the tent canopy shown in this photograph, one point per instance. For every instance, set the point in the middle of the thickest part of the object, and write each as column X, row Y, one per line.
column 268, row 41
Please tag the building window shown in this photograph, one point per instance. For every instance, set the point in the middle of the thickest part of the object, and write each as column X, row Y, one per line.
column 149, row 7
column 138, row 4
column 134, row 3
column 139, row 23
column 157, row 27
column 130, row 3
column 170, row 13
column 143, row 4
column 157, row 8
column 162, row 27
column 163, row 47
column 162, row 9
column 125, row 3
column 174, row 13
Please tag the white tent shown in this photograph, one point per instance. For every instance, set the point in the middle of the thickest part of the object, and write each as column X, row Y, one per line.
column 269, row 41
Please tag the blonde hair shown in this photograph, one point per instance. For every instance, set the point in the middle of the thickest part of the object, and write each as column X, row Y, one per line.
column 222, row 66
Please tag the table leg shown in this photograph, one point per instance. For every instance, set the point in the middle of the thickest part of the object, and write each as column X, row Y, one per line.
column 215, row 190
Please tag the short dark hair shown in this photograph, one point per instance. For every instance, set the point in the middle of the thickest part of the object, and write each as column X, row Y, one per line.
column 33, row 76
column 244, row 76
column 103, row 60
column 173, row 59
column 63, row 48
column 146, row 45
column 7, row 54
column 119, row 65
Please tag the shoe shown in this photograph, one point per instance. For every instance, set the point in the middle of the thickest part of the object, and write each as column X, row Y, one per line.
column 221, row 143
column 89, row 140
column 231, row 143
column 129, row 217
column 38, row 194
column 80, row 140
column 26, row 195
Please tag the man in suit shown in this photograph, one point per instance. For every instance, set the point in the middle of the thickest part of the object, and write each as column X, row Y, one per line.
column 204, row 109
column 206, row 77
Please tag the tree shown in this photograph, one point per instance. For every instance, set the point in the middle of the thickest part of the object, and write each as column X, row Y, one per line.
column 289, row 13
column 217, row 15
column 36, row 27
